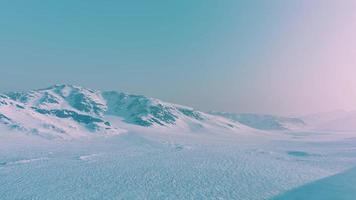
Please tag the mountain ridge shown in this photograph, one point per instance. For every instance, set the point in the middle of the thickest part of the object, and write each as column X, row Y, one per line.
column 66, row 110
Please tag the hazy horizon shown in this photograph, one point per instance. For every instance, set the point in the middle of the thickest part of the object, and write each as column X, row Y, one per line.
column 284, row 58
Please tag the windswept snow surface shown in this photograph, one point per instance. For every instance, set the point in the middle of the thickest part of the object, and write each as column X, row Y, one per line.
column 149, row 164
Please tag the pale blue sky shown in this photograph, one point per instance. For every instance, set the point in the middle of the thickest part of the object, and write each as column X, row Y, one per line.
column 282, row 57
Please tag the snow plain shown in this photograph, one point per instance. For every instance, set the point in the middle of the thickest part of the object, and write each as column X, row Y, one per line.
column 69, row 142
column 149, row 164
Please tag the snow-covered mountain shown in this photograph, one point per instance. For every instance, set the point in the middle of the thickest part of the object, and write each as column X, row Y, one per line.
column 264, row 122
column 72, row 111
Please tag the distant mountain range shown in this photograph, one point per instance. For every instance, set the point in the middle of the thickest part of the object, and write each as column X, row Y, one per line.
column 339, row 120
column 68, row 111
column 264, row 122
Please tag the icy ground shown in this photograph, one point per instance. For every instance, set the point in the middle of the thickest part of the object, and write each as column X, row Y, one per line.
column 341, row 187
column 153, row 165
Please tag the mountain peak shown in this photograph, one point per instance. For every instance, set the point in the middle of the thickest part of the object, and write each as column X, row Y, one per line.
column 61, row 88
